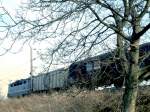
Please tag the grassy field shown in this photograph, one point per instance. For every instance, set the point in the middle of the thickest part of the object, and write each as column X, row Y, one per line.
column 75, row 100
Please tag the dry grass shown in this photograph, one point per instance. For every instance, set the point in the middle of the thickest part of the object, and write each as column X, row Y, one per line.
column 74, row 100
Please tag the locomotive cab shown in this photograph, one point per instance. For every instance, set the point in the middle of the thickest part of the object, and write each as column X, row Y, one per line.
column 19, row 88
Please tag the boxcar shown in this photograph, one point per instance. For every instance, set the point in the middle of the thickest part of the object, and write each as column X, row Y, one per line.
column 52, row 80
column 38, row 83
column 56, row 79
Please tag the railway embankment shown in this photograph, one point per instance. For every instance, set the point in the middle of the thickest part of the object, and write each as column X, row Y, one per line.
column 75, row 100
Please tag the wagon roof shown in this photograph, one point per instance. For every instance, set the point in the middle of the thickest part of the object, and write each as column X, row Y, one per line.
column 107, row 55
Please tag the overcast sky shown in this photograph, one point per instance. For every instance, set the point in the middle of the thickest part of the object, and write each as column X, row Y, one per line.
column 13, row 66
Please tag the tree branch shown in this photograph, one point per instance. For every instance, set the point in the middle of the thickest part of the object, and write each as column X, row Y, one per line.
column 144, row 73
column 145, row 29
column 107, row 25
column 145, row 10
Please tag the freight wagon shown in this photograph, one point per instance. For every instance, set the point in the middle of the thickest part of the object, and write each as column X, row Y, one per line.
column 52, row 80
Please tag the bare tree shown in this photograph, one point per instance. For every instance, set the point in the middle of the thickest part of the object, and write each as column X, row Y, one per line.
column 78, row 27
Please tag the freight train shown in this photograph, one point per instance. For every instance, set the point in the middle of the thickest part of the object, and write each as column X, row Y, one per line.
column 95, row 71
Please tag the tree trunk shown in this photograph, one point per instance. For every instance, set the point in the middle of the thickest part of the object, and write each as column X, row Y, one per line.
column 121, row 55
column 131, row 83
column 122, row 65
